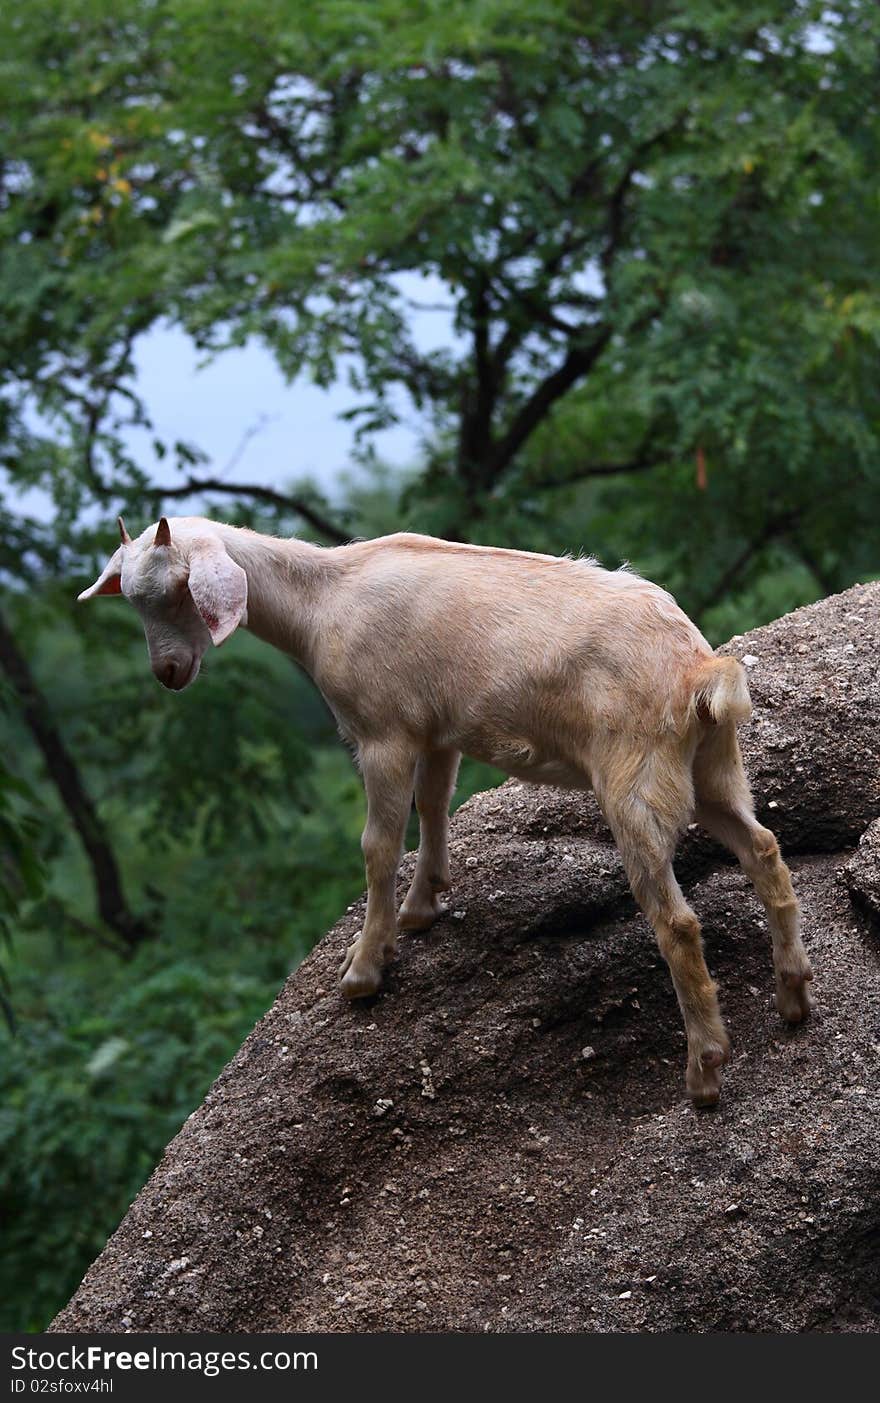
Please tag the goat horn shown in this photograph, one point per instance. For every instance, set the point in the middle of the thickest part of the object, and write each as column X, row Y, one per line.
column 123, row 534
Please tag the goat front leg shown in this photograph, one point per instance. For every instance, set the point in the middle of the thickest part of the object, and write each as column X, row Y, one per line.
column 435, row 783
column 388, row 772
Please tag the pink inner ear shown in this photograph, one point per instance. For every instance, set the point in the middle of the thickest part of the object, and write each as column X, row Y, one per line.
column 109, row 581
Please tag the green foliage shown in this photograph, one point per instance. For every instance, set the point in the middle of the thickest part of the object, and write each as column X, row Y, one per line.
column 107, row 1064
column 22, row 873
column 110, row 1057
column 655, row 228
column 671, row 211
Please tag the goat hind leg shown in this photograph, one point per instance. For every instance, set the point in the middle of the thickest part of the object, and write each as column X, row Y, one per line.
column 435, row 782
column 759, row 856
column 724, row 808
column 646, row 845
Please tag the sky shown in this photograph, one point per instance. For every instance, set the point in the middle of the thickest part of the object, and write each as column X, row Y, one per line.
column 213, row 406
column 299, row 433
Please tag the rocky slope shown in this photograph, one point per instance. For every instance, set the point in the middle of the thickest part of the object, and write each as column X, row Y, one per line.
column 501, row 1141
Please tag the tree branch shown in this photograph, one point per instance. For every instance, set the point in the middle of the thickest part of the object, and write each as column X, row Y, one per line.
column 617, row 198
column 193, row 487
column 64, row 773
column 824, row 578
column 475, row 429
column 578, row 362
column 421, row 376
column 774, row 528
column 635, row 465
column 275, row 130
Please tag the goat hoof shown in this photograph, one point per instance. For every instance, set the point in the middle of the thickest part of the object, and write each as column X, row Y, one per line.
column 793, row 1003
column 704, row 1076
column 421, row 914
column 360, row 983
column 792, row 999
column 361, row 974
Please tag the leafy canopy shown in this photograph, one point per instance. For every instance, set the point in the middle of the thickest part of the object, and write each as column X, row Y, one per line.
column 669, row 208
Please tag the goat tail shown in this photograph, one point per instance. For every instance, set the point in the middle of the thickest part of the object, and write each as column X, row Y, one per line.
column 721, row 692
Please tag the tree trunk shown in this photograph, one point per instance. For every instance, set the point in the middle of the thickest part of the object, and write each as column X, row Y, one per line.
column 64, row 773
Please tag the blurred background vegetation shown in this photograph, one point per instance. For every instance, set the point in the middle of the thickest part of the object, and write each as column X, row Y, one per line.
column 654, row 228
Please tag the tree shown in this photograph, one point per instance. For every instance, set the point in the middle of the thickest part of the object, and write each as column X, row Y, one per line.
column 664, row 201
column 110, row 896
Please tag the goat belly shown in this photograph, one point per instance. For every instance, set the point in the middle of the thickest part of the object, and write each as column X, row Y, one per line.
column 523, row 759
column 550, row 771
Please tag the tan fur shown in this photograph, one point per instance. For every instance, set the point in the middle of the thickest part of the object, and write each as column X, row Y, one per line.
column 721, row 692
column 552, row 669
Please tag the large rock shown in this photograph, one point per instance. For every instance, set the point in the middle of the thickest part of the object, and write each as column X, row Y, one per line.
column 501, row 1140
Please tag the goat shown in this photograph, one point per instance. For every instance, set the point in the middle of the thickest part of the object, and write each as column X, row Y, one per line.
column 552, row 669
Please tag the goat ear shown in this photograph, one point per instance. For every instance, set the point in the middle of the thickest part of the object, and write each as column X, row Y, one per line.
column 163, row 533
column 219, row 589
column 109, row 580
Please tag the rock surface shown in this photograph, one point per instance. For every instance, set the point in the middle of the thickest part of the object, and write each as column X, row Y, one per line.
column 501, row 1140
column 862, row 872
